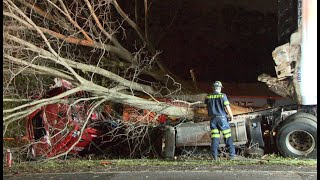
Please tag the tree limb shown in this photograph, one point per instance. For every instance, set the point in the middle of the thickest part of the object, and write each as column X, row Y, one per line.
column 46, row 70
column 126, row 17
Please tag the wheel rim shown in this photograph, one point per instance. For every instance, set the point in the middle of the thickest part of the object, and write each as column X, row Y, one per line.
column 300, row 142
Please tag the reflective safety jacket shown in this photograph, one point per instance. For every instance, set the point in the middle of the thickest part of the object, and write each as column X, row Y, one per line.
column 215, row 104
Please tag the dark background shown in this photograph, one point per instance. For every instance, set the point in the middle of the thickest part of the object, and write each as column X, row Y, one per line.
column 229, row 40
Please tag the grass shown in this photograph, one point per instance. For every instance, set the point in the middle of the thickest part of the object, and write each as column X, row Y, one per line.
column 272, row 160
column 84, row 165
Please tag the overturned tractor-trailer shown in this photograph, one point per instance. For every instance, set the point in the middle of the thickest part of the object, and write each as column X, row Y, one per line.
column 290, row 130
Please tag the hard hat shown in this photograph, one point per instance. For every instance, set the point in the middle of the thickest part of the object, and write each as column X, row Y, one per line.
column 217, row 84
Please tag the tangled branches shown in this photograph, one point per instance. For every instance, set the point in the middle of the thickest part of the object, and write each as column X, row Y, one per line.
column 97, row 47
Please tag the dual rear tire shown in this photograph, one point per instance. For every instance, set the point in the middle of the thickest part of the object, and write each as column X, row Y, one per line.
column 297, row 137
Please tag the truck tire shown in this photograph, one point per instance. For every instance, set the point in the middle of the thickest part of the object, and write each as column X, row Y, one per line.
column 298, row 137
column 169, row 142
column 302, row 115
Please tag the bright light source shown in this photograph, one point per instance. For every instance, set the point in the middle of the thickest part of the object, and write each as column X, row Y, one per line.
column 309, row 53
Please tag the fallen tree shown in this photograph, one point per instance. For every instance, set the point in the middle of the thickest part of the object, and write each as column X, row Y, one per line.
column 95, row 45
column 99, row 46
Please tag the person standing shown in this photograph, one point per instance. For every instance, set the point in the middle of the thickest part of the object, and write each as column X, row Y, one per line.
column 218, row 107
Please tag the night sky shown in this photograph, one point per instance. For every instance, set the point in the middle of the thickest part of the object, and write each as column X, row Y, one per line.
column 218, row 40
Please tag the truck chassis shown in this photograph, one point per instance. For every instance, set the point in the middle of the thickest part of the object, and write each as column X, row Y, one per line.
column 290, row 130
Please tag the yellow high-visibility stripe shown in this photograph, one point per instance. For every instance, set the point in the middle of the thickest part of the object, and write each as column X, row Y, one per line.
column 226, row 131
column 215, row 96
column 215, row 131
column 226, row 103
column 227, row 135
column 215, row 136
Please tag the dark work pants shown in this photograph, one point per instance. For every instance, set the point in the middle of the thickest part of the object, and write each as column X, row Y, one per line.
column 218, row 124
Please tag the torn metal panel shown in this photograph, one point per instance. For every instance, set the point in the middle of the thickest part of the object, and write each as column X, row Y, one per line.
column 281, row 87
column 281, row 54
column 287, row 60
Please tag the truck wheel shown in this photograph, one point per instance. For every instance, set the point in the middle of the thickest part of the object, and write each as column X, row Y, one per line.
column 302, row 115
column 169, row 142
column 298, row 137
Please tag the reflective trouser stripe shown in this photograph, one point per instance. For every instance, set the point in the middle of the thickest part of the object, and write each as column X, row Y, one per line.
column 226, row 133
column 215, row 133
column 215, row 136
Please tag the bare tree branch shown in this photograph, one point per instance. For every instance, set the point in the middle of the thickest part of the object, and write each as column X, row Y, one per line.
column 87, row 43
column 126, row 17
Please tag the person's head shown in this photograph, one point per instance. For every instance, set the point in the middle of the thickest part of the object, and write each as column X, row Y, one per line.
column 217, row 86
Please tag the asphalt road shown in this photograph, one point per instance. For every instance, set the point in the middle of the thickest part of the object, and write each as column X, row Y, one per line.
column 175, row 175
